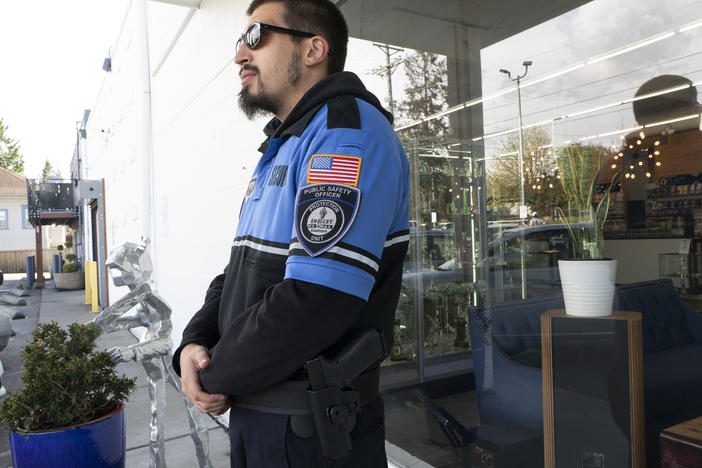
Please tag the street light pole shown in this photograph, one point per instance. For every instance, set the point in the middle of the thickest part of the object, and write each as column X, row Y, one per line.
column 522, row 196
column 518, row 79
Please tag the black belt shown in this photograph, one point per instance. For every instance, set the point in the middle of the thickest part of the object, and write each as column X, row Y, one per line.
column 290, row 397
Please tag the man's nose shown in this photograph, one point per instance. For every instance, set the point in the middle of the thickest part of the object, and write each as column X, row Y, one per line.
column 243, row 55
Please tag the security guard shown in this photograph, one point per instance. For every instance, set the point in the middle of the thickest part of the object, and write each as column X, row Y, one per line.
column 318, row 249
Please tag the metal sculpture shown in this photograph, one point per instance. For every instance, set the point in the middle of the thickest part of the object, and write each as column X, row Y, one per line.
column 130, row 265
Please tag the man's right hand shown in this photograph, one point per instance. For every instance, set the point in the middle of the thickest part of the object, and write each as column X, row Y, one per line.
column 193, row 358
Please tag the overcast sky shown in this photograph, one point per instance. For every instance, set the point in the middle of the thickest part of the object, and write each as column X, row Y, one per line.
column 51, row 70
column 569, row 39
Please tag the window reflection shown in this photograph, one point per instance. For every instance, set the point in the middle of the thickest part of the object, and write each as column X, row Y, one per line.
column 616, row 80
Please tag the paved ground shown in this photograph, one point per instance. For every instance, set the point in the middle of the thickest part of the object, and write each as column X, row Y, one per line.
column 66, row 307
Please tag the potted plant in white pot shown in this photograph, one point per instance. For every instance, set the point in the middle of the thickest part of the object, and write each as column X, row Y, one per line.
column 587, row 278
column 70, row 411
column 71, row 277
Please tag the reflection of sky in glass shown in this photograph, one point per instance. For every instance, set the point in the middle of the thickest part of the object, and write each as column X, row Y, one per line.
column 362, row 58
column 366, row 60
column 579, row 37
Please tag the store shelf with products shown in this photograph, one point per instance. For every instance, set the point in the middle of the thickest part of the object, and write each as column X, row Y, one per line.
column 675, row 205
column 672, row 208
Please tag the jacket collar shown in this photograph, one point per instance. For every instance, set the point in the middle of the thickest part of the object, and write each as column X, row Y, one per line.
column 336, row 84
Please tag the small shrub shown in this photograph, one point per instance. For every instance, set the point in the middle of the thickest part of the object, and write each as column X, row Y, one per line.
column 70, row 268
column 69, row 257
column 65, row 381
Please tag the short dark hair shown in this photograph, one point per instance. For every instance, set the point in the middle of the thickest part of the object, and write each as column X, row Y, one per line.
column 318, row 17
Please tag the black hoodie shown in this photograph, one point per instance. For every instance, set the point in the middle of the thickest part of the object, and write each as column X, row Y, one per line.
column 261, row 330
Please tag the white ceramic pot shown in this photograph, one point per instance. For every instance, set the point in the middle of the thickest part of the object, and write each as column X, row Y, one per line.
column 588, row 286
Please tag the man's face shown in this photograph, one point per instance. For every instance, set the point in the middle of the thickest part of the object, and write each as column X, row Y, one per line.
column 272, row 69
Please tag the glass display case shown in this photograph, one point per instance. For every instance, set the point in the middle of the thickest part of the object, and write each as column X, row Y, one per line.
column 685, row 271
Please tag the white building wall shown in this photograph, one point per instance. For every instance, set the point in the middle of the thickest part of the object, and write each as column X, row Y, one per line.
column 52, row 236
column 113, row 150
column 204, row 153
column 19, row 237
column 15, row 237
column 204, row 149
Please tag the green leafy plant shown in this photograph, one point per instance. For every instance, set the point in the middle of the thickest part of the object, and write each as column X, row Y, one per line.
column 66, row 381
column 70, row 257
column 584, row 218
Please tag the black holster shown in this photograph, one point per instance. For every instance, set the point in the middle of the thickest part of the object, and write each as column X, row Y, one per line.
column 337, row 389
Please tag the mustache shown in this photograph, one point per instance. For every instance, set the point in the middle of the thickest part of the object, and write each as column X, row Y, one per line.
column 247, row 67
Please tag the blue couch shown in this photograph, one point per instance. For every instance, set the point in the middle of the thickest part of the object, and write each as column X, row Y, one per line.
column 505, row 337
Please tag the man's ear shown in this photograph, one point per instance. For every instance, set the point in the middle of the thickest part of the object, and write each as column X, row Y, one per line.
column 316, row 51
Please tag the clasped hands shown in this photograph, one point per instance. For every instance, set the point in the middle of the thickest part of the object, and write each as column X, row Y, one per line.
column 194, row 358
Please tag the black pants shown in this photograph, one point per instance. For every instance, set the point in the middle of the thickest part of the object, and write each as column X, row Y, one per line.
column 264, row 440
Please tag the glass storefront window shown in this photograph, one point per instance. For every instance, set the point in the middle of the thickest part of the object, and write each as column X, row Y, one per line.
column 615, row 81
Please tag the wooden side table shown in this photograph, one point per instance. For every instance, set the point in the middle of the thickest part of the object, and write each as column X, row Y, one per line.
column 681, row 445
column 592, row 390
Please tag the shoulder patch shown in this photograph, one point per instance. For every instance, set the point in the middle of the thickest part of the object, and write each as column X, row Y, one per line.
column 342, row 112
column 250, row 188
column 334, row 168
column 323, row 215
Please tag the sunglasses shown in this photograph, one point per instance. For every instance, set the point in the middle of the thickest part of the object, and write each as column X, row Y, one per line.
column 252, row 36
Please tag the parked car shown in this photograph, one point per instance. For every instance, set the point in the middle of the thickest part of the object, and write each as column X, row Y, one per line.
column 543, row 246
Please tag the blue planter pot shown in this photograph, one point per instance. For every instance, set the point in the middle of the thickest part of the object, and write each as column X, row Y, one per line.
column 96, row 444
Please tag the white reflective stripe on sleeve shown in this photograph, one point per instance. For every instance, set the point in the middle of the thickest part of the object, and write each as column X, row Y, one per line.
column 397, row 240
column 345, row 253
column 260, row 247
column 355, row 256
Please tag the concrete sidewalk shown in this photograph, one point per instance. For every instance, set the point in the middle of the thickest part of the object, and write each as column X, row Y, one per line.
column 66, row 307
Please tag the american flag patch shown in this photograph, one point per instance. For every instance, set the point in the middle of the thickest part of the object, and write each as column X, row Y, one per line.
column 334, row 169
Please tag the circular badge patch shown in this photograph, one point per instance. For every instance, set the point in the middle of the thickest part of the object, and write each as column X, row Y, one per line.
column 321, row 221
column 323, row 215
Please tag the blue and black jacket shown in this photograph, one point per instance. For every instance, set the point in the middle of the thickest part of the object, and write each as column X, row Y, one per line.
column 319, row 245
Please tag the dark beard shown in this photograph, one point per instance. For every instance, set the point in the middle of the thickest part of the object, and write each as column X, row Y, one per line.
column 262, row 103
column 257, row 105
